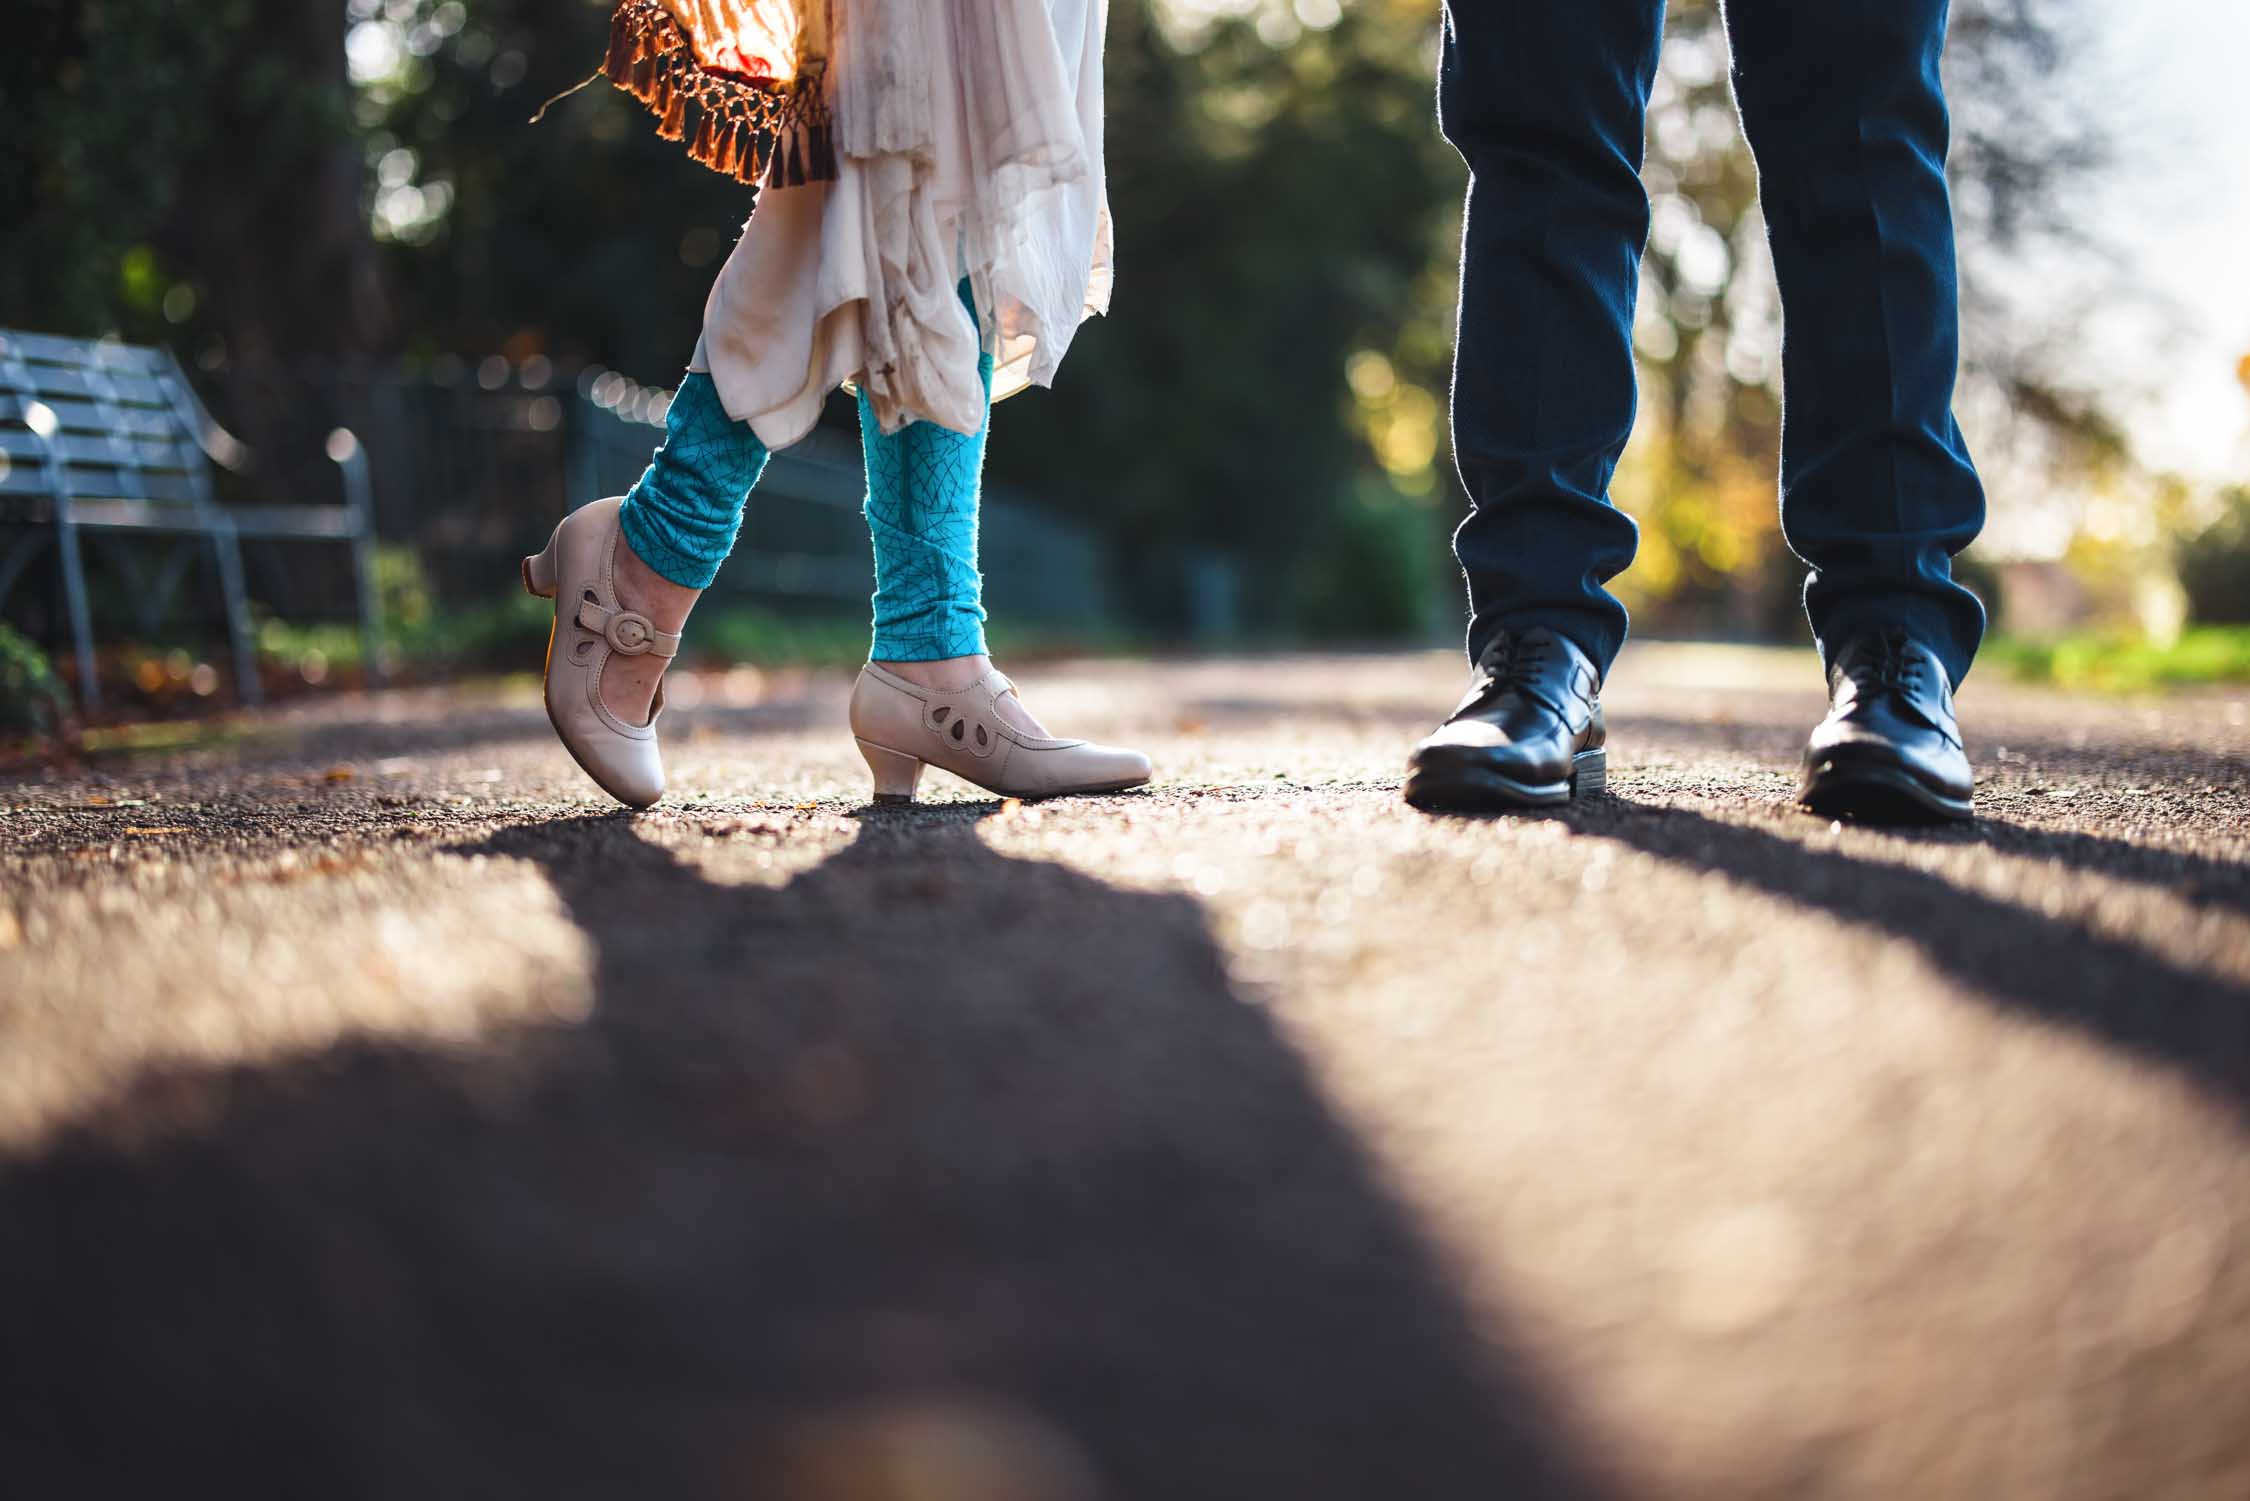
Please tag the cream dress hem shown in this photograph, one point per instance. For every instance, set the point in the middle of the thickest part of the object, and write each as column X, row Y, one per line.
column 855, row 281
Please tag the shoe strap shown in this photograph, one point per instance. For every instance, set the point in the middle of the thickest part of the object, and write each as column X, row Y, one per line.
column 965, row 716
column 629, row 632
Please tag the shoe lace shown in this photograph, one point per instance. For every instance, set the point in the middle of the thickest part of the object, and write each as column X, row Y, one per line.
column 1511, row 662
column 1890, row 665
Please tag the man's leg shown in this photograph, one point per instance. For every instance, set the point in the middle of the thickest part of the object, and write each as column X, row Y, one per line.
column 1546, row 101
column 1843, row 108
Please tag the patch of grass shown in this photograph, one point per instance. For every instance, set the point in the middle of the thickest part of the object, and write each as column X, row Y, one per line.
column 722, row 634
column 33, row 705
column 429, row 642
column 164, row 735
column 2125, row 663
column 511, row 634
column 762, row 637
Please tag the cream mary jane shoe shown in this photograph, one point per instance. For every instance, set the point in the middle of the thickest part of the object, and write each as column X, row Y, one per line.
column 576, row 573
column 901, row 727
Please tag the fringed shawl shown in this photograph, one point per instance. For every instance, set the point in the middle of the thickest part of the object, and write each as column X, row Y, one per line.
column 923, row 143
column 741, row 82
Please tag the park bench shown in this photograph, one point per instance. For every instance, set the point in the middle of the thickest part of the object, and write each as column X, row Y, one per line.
column 102, row 438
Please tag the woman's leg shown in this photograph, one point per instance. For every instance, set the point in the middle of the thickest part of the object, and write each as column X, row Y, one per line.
column 679, row 524
column 924, row 485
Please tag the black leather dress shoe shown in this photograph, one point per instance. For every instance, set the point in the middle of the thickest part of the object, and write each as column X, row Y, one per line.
column 1529, row 734
column 1889, row 750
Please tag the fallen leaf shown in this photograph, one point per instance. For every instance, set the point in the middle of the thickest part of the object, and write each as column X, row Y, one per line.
column 152, row 833
column 340, row 774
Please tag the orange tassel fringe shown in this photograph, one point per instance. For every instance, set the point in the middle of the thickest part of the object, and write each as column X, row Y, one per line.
column 739, row 130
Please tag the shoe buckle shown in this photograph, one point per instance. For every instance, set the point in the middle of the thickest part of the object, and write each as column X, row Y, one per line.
column 629, row 633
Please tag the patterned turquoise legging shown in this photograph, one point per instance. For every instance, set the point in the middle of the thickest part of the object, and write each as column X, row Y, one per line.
column 923, row 483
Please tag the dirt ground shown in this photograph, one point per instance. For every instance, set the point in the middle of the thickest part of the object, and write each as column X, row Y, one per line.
column 382, row 1115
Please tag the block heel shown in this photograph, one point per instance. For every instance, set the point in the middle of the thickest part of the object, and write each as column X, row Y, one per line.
column 1589, row 773
column 897, row 776
column 539, row 575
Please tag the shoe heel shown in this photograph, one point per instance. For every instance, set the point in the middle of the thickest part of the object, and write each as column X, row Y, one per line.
column 1589, row 773
column 896, row 775
column 539, row 569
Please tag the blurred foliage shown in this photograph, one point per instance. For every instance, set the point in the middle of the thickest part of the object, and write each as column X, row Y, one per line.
column 87, row 181
column 582, row 238
column 1700, row 475
column 186, row 170
column 2214, row 564
column 33, row 704
column 508, row 631
column 1217, row 400
column 265, row 181
column 1288, row 216
column 190, row 174
column 2128, row 661
column 423, row 639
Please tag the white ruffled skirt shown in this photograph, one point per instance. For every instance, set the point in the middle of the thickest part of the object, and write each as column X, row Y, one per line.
column 856, row 280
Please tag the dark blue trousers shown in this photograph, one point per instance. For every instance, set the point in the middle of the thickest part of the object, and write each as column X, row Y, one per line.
column 1840, row 99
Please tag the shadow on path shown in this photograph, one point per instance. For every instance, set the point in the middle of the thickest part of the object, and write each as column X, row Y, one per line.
column 929, row 1153
column 2058, row 970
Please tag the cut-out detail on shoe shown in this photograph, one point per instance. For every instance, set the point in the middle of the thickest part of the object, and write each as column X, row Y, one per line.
column 941, row 714
column 899, row 719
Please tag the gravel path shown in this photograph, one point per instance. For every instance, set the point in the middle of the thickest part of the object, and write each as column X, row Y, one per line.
column 381, row 1115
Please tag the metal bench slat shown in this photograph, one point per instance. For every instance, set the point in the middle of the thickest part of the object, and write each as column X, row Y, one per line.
column 86, row 417
column 71, row 413
column 121, row 514
column 125, row 388
column 79, row 415
column 292, row 521
column 80, row 353
column 113, row 482
column 125, row 449
column 120, row 432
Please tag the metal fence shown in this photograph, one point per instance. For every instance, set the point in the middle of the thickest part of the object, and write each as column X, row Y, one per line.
column 469, row 469
column 473, row 473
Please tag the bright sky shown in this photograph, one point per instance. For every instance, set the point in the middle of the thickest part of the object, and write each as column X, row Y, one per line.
column 2173, row 82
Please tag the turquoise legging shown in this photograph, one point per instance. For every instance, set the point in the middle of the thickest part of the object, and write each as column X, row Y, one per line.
column 923, row 483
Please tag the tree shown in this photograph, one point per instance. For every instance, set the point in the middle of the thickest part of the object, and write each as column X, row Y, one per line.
column 189, row 172
column 187, row 167
column 1701, row 476
column 267, row 181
